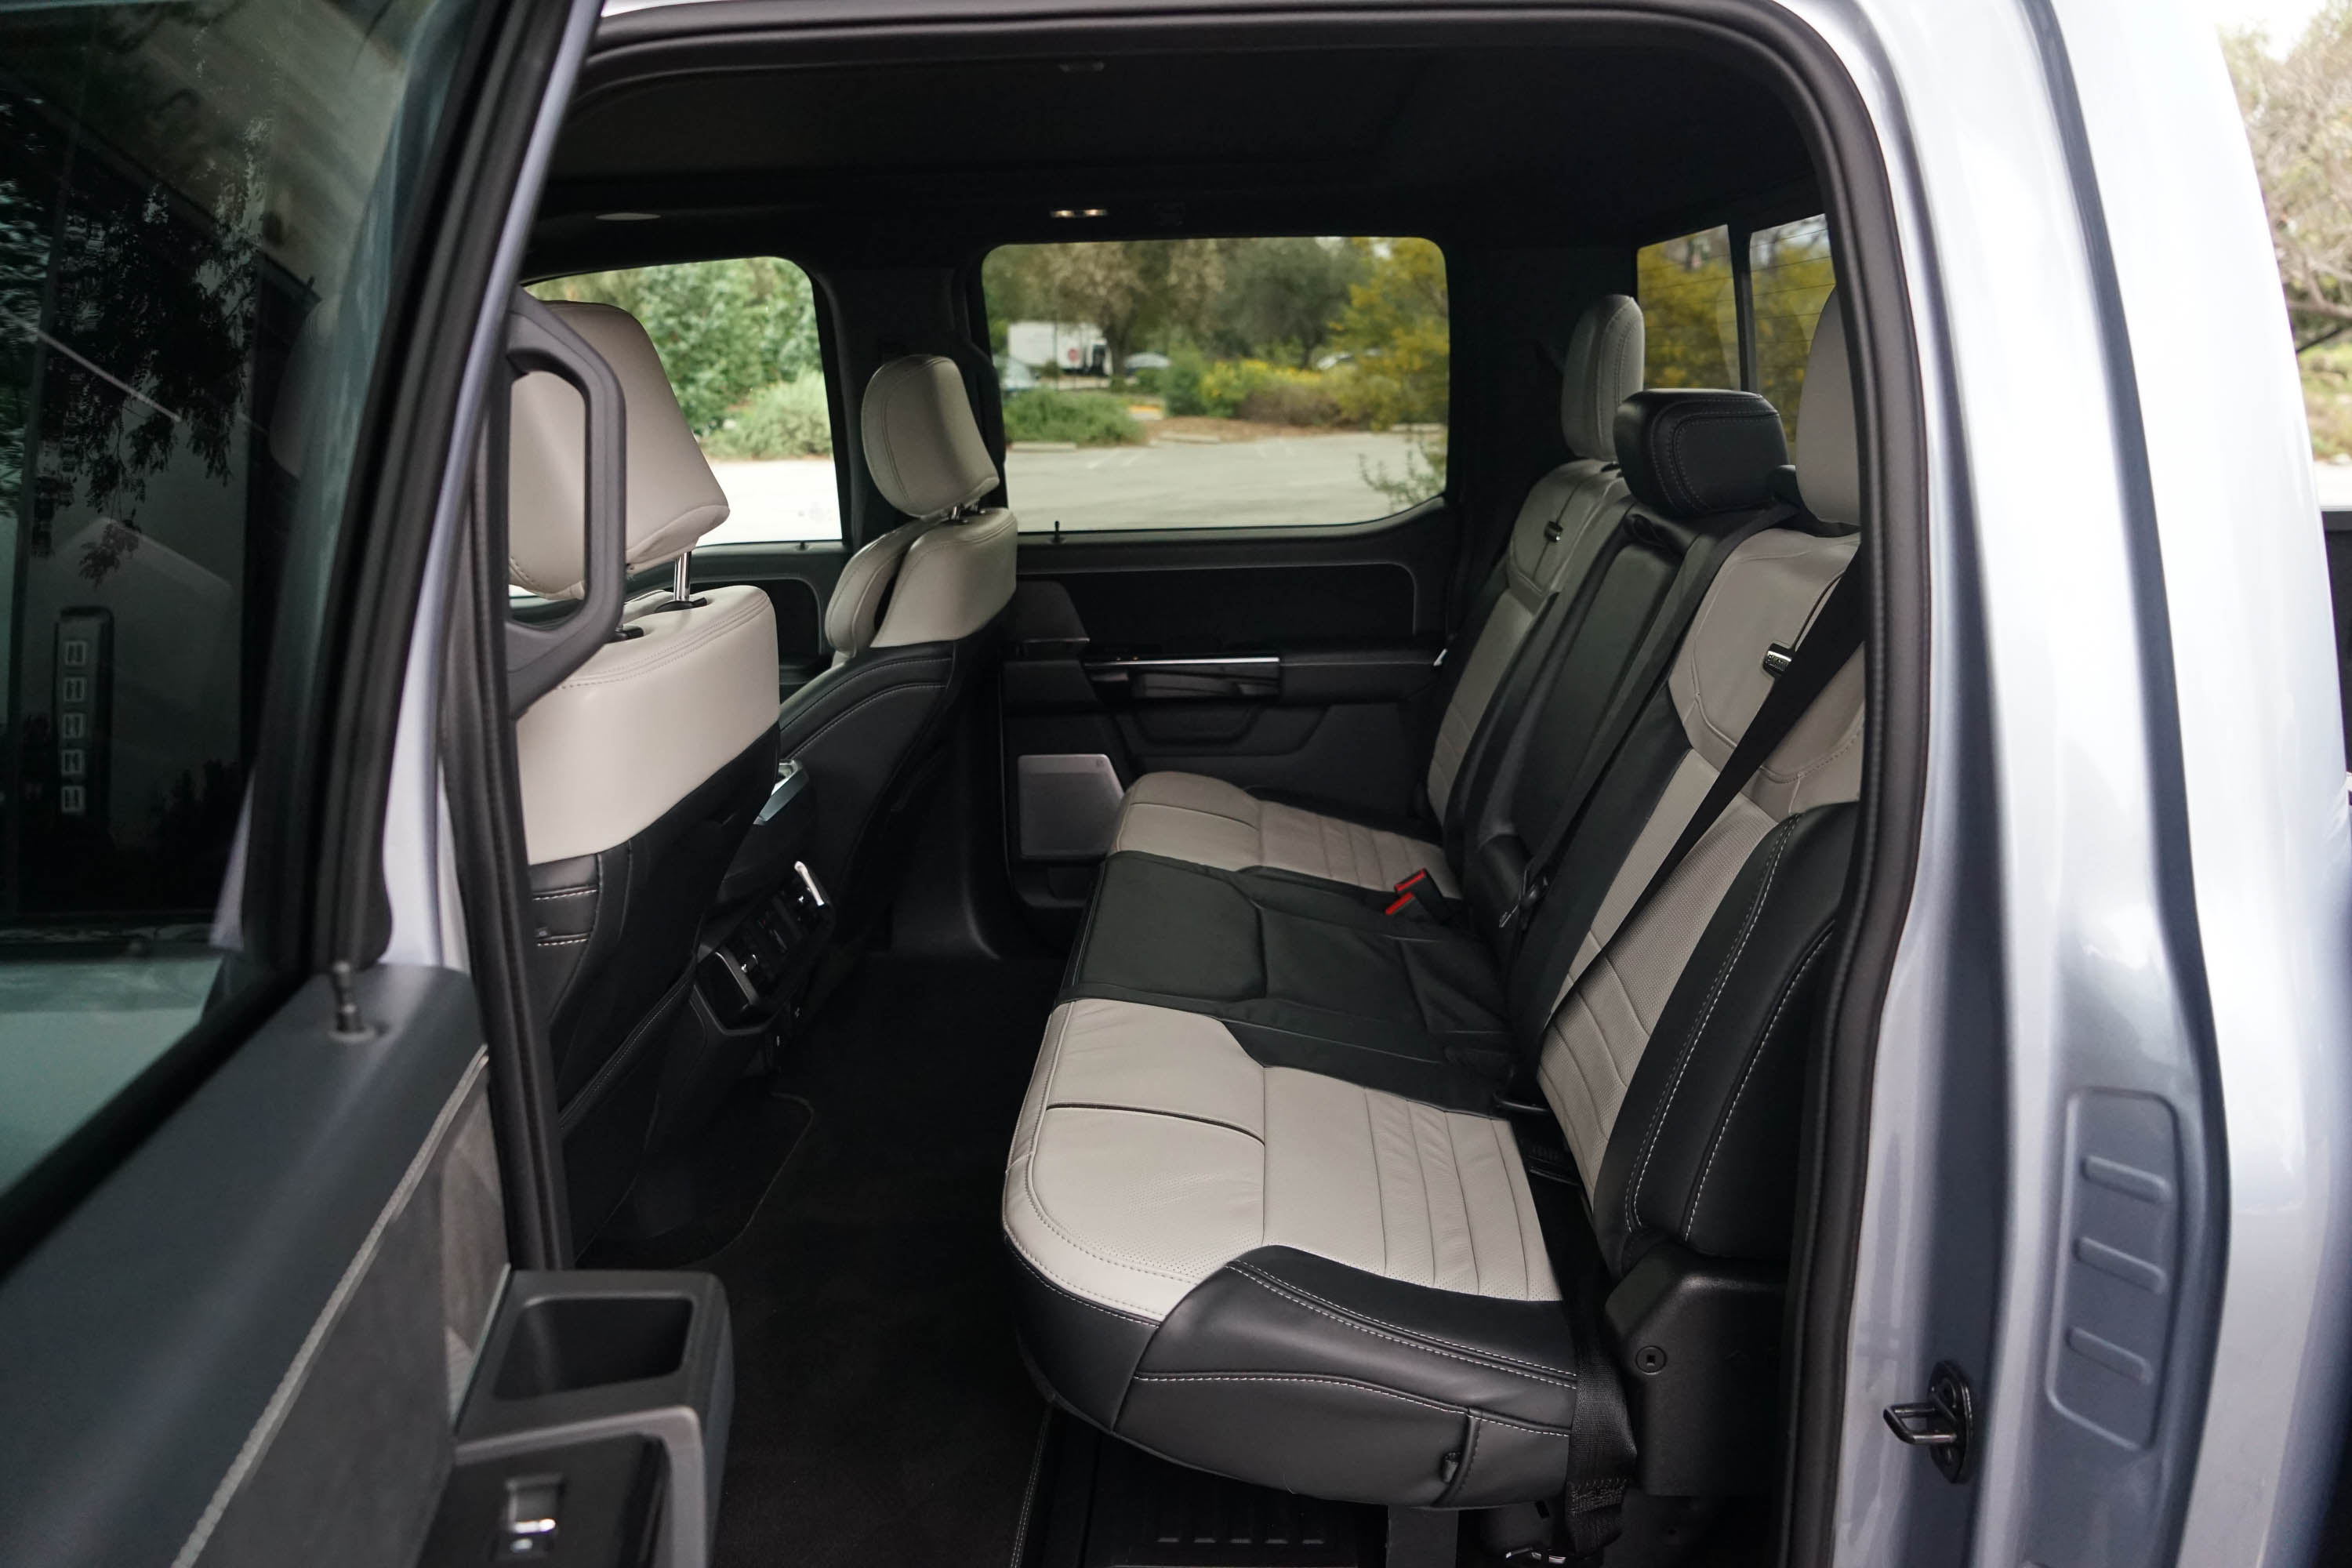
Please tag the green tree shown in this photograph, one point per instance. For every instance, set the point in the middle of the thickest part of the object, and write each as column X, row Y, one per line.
column 1690, row 319
column 1789, row 278
column 2298, row 113
column 1281, row 297
column 724, row 328
column 1397, row 327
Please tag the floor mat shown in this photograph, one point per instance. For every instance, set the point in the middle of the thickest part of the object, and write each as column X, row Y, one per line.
column 882, row 1413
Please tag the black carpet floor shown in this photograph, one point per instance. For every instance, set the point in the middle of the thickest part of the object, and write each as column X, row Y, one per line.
column 882, row 1413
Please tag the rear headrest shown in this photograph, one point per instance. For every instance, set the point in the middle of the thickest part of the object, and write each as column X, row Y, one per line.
column 1603, row 369
column 1829, row 451
column 1688, row 452
column 921, row 445
column 673, row 499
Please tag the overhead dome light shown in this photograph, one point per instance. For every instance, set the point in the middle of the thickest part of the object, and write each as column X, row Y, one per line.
column 626, row 218
column 1079, row 212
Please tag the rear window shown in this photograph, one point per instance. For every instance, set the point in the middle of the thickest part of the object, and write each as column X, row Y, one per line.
column 738, row 341
column 1261, row 383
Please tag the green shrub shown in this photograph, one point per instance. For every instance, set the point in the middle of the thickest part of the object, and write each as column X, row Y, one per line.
column 1089, row 419
column 2327, row 398
column 1227, row 383
column 783, row 419
column 1180, row 383
column 1291, row 400
column 1269, row 394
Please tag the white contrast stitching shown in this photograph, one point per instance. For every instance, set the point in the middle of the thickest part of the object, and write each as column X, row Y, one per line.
column 1707, row 1015
column 1763, row 1041
column 1304, row 1297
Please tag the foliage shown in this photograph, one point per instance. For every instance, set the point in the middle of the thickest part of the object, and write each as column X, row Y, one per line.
column 1396, row 327
column 1281, row 301
column 2298, row 112
column 2327, row 399
column 1180, row 383
column 1089, row 419
column 1790, row 276
column 1125, row 288
column 1690, row 319
column 1280, row 297
column 783, row 419
column 1424, row 476
column 724, row 328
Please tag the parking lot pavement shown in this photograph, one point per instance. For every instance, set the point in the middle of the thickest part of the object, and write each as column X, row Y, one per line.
column 782, row 500
column 1285, row 480
column 1282, row 479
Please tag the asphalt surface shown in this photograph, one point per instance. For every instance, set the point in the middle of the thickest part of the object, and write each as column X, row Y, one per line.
column 1284, row 479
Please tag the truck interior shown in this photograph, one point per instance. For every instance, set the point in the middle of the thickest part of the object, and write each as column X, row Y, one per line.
column 1221, row 1035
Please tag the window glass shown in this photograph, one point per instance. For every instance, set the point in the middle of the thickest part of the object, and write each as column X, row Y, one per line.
column 739, row 340
column 1690, row 315
column 200, row 207
column 1789, row 278
column 1260, row 382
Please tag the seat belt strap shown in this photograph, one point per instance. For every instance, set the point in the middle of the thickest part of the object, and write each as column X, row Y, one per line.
column 1801, row 676
column 1651, row 663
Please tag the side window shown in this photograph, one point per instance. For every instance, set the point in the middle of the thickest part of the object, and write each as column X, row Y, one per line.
column 1690, row 310
column 201, row 209
column 1262, row 383
column 740, row 342
column 1705, row 295
column 1788, row 281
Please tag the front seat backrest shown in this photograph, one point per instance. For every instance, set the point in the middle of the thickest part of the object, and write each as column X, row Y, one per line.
column 912, row 619
column 641, row 771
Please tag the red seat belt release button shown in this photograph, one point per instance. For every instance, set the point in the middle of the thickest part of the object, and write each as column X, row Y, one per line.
column 1401, row 901
column 1420, row 876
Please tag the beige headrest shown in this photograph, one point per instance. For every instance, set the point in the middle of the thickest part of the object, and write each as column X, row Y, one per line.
column 1829, row 451
column 673, row 499
column 922, row 445
column 1603, row 369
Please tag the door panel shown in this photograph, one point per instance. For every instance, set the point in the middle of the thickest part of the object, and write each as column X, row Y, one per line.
column 247, row 1263
column 1294, row 663
column 242, row 1346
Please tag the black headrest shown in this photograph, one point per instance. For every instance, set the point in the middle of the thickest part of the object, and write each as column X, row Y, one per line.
column 1688, row 452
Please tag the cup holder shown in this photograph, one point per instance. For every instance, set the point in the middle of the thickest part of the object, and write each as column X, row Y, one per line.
column 563, row 1344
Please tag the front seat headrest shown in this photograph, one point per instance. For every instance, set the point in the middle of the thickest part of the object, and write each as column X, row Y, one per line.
column 1686, row 452
column 1829, row 450
column 673, row 497
column 1602, row 370
column 922, row 445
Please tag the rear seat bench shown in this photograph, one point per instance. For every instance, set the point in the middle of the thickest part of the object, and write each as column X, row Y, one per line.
column 1268, row 1216
column 1559, row 526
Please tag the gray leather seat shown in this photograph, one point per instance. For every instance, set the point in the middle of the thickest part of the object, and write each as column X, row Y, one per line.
column 912, row 621
column 641, row 771
column 1209, row 822
column 1248, row 1248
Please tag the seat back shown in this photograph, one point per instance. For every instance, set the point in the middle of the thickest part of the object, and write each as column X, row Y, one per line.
column 641, row 771
column 1562, row 517
column 912, row 622
column 1675, row 1054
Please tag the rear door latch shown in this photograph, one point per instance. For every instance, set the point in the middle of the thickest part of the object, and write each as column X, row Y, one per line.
column 1944, row 1424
